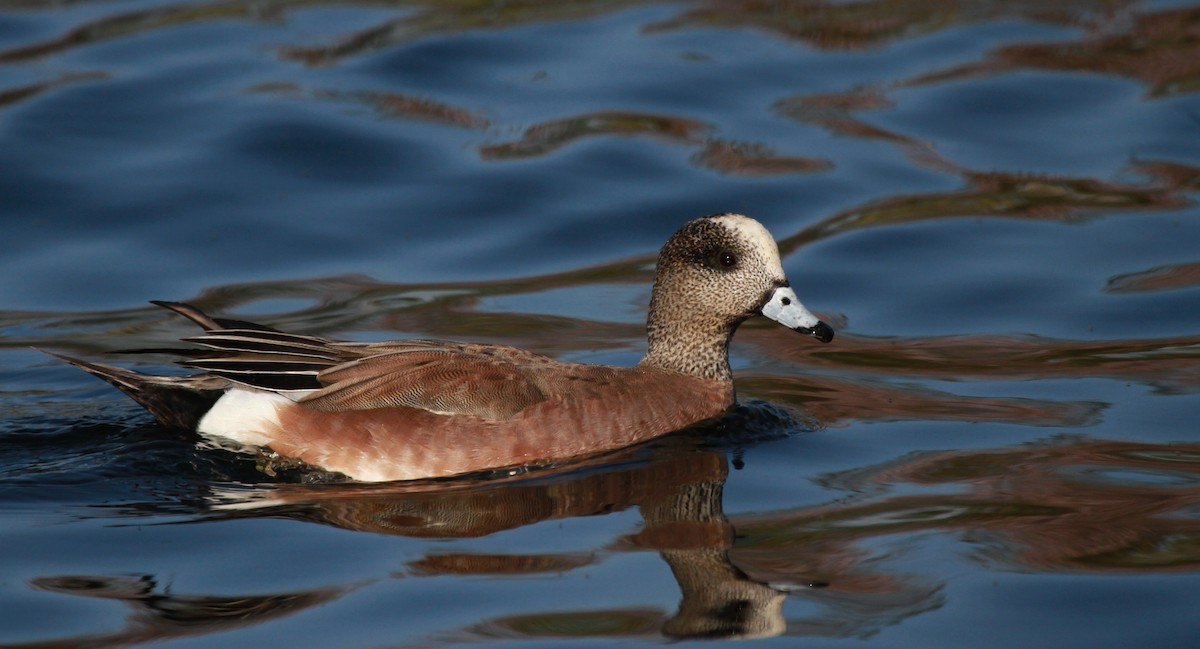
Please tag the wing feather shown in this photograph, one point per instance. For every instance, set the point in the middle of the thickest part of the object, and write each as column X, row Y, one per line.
column 450, row 379
column 264, row 358
column 488, row 381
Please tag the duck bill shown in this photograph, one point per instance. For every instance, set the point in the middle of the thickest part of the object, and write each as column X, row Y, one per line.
column 784, row 307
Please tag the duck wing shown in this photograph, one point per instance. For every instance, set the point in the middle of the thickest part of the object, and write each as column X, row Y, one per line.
column 488, row 381
column 265, row 359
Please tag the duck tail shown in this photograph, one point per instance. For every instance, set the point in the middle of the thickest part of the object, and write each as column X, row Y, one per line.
column 176, row 402
column 207, row 322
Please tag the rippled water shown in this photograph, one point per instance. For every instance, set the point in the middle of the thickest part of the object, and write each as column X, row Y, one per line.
column 994, row 203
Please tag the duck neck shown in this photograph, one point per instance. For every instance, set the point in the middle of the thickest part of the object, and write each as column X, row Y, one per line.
column 691, row 347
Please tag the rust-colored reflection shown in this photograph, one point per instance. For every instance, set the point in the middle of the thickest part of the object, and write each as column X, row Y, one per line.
column 549, row 136
column 122, row 25
column 873, row 375
column 1042, row 197
column 1159, row 361
column 21, row 93
column 838, row 402
column 1161, row 49
column 753, row 159
column 835, row 112
column 385, row 104
column 729, row 157
column 873, row 23
column 158, row 614
column 428, row 18
column 1159, row 278
column 831, row 25
column 1072, row 505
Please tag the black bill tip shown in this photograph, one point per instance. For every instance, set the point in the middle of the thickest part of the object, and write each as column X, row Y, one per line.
column 820, row 331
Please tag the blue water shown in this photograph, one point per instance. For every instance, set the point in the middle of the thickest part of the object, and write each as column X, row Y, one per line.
column 995, row 205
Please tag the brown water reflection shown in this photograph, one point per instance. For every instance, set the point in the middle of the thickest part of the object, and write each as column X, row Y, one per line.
column 21, row 93
column 1067, row 506
column 1167, row 364
column 1160, row 49
column 546, row 137
column 1160, row 278
column 157, row 614
column 1157, row 46
column 1016, row 195
column 753, row 159
column 838, row 402
column 859, row 25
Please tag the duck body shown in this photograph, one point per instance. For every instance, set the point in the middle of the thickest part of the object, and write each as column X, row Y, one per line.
column 402, row 443
column 428, row 408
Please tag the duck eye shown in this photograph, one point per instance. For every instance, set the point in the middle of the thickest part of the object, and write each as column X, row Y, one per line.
column 727, row 259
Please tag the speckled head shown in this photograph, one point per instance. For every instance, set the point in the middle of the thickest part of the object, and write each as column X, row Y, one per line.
column 713, row 274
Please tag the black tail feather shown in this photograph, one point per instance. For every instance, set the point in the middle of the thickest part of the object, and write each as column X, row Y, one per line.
column 207, row 322
column 232, row 352
column 176, row 402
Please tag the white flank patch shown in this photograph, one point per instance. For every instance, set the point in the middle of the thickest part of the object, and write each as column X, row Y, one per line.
column 243, row 416
column 757, row 236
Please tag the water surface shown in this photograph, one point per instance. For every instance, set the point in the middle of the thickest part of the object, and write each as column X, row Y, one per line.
column 994, row 203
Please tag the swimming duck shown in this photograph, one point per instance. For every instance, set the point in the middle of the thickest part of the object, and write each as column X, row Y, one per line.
column 382, row 411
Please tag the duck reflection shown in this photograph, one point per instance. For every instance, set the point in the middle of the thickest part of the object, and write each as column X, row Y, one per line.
column 1067, row 505
column 676, row 483
column 157, row 614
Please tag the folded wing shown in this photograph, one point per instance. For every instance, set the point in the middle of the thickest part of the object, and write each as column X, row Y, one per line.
column 445, row 378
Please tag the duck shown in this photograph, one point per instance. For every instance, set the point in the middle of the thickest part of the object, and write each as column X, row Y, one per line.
column 422, row 408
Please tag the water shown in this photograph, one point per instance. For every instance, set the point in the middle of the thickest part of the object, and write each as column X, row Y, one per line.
column 993, row 203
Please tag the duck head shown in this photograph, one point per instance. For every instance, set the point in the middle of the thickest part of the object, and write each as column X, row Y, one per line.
column 712, row 275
